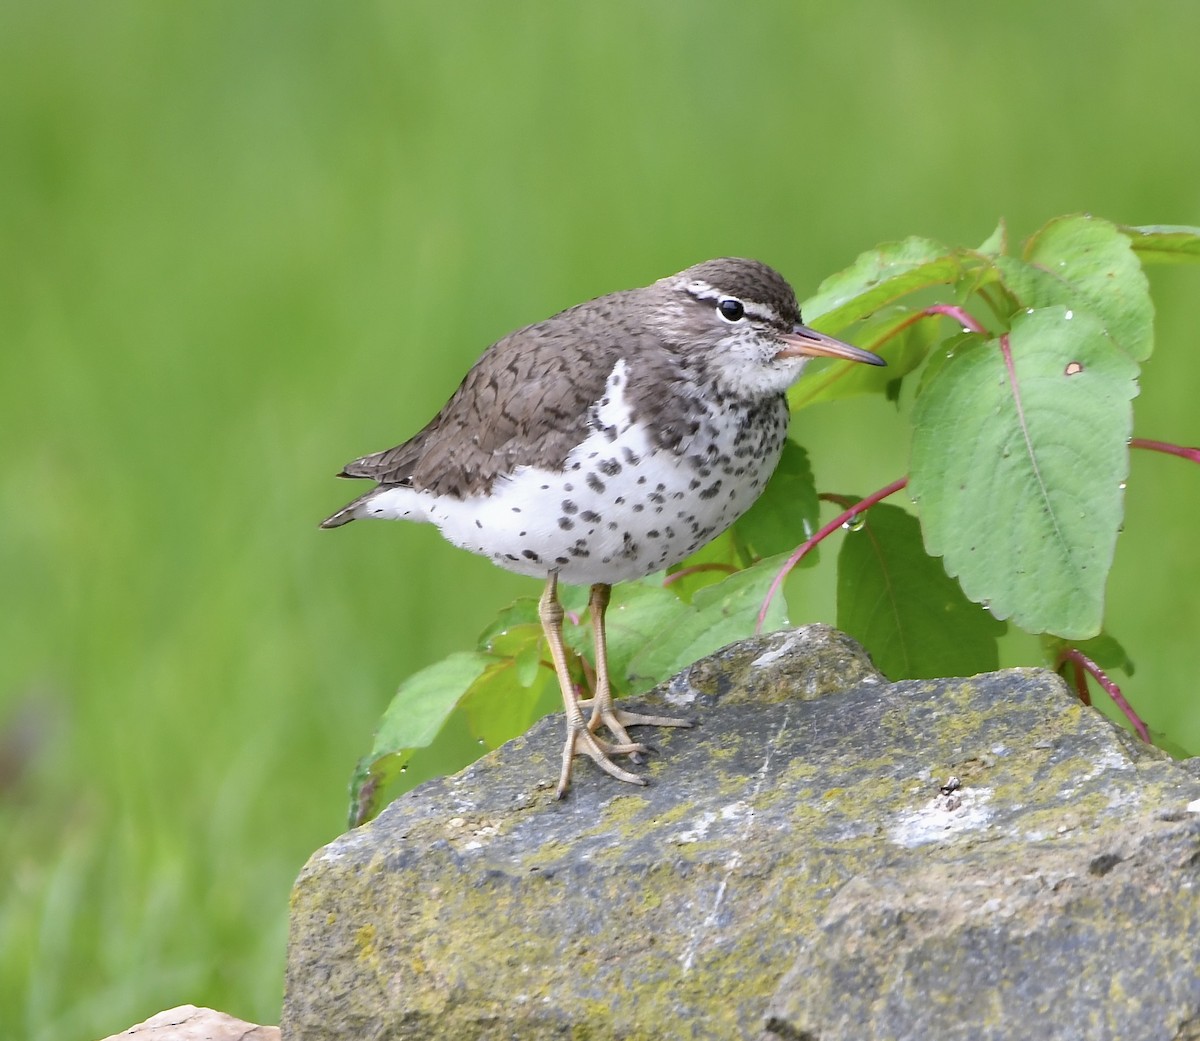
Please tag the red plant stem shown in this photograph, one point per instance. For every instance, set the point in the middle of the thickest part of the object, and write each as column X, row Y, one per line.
column 1192, row 454
column 1082, row 661
column 965, row 318
column 712, row 565
column 1081, row 687
column 960, row 315
column 802, row 551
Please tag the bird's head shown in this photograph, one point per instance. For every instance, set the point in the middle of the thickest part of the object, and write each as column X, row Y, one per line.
column 738, row 321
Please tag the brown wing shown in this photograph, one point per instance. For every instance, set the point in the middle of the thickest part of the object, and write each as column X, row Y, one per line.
column 524, row 403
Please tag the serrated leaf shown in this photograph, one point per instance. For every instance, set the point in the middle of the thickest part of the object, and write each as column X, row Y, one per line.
column 412, row 720
column 905, row 342
column 900, row 604
column 718, row 615
column 786, row 513
column 1086, row 264
column 877, row 277
column 1164, row 243
column 1019, row 480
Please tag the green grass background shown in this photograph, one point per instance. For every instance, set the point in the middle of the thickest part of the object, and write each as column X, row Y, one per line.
column 241, row 243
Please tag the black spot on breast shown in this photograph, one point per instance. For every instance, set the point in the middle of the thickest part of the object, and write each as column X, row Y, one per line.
column 595, row 483
column 610, row 467
column 590, row 515
column 529, row 554
column 569, row 507
column 566, row 523
column 711, row 491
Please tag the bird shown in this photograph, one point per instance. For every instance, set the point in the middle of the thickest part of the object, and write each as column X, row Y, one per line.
column 606, row 443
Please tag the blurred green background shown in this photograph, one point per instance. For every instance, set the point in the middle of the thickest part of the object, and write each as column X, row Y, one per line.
column 245, row 242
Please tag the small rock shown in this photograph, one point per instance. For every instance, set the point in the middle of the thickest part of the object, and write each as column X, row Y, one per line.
column 189, row 1023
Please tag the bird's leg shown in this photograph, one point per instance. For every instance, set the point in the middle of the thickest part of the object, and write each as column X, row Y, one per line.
column 604, row 712
column 579, row 737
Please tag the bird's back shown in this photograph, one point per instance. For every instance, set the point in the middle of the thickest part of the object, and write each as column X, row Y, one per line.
column 525, row 402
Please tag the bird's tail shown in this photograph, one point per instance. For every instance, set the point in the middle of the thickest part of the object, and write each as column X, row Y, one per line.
column 347, row 513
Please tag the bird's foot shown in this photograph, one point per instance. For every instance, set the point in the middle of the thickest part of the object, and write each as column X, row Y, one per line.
column 615, row 720
column 581, row 739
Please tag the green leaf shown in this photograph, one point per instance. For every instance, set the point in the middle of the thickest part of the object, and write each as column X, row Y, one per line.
column 707, row 566
column 878, row 277
column 1104, row 650
column 499, row 705
column 894, row 332
column 413, row 720
column 786, row 513
column 718, row 615
column 1019, row 480
column 900, row 604
column 528, row 660
column 996, row 243
column 1164, row 243
column 639, row 614
column 521, row 612
column 1086, row 264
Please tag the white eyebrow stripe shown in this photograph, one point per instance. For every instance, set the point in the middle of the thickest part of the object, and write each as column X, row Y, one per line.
column 708, row 293
column 760, row 311
column 703, row 291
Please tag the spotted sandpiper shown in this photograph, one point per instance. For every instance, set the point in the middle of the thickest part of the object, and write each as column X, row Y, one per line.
column 605, row 443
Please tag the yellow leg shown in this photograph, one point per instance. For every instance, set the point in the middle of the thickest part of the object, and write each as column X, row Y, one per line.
column 579, row 737
column 604, row 713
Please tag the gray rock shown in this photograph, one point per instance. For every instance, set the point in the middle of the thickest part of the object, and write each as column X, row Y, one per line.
column 189, row 1023
column 982, row 858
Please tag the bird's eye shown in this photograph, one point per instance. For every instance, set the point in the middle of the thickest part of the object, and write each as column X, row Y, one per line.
column 731, row 309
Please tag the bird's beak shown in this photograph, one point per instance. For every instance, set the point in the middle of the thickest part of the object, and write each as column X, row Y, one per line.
column 805, row 342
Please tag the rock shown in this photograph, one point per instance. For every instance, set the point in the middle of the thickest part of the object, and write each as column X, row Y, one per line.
column 189, row 1023
column 969, row 858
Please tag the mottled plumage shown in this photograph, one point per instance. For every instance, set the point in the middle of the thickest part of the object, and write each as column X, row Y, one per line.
column 607, row 442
